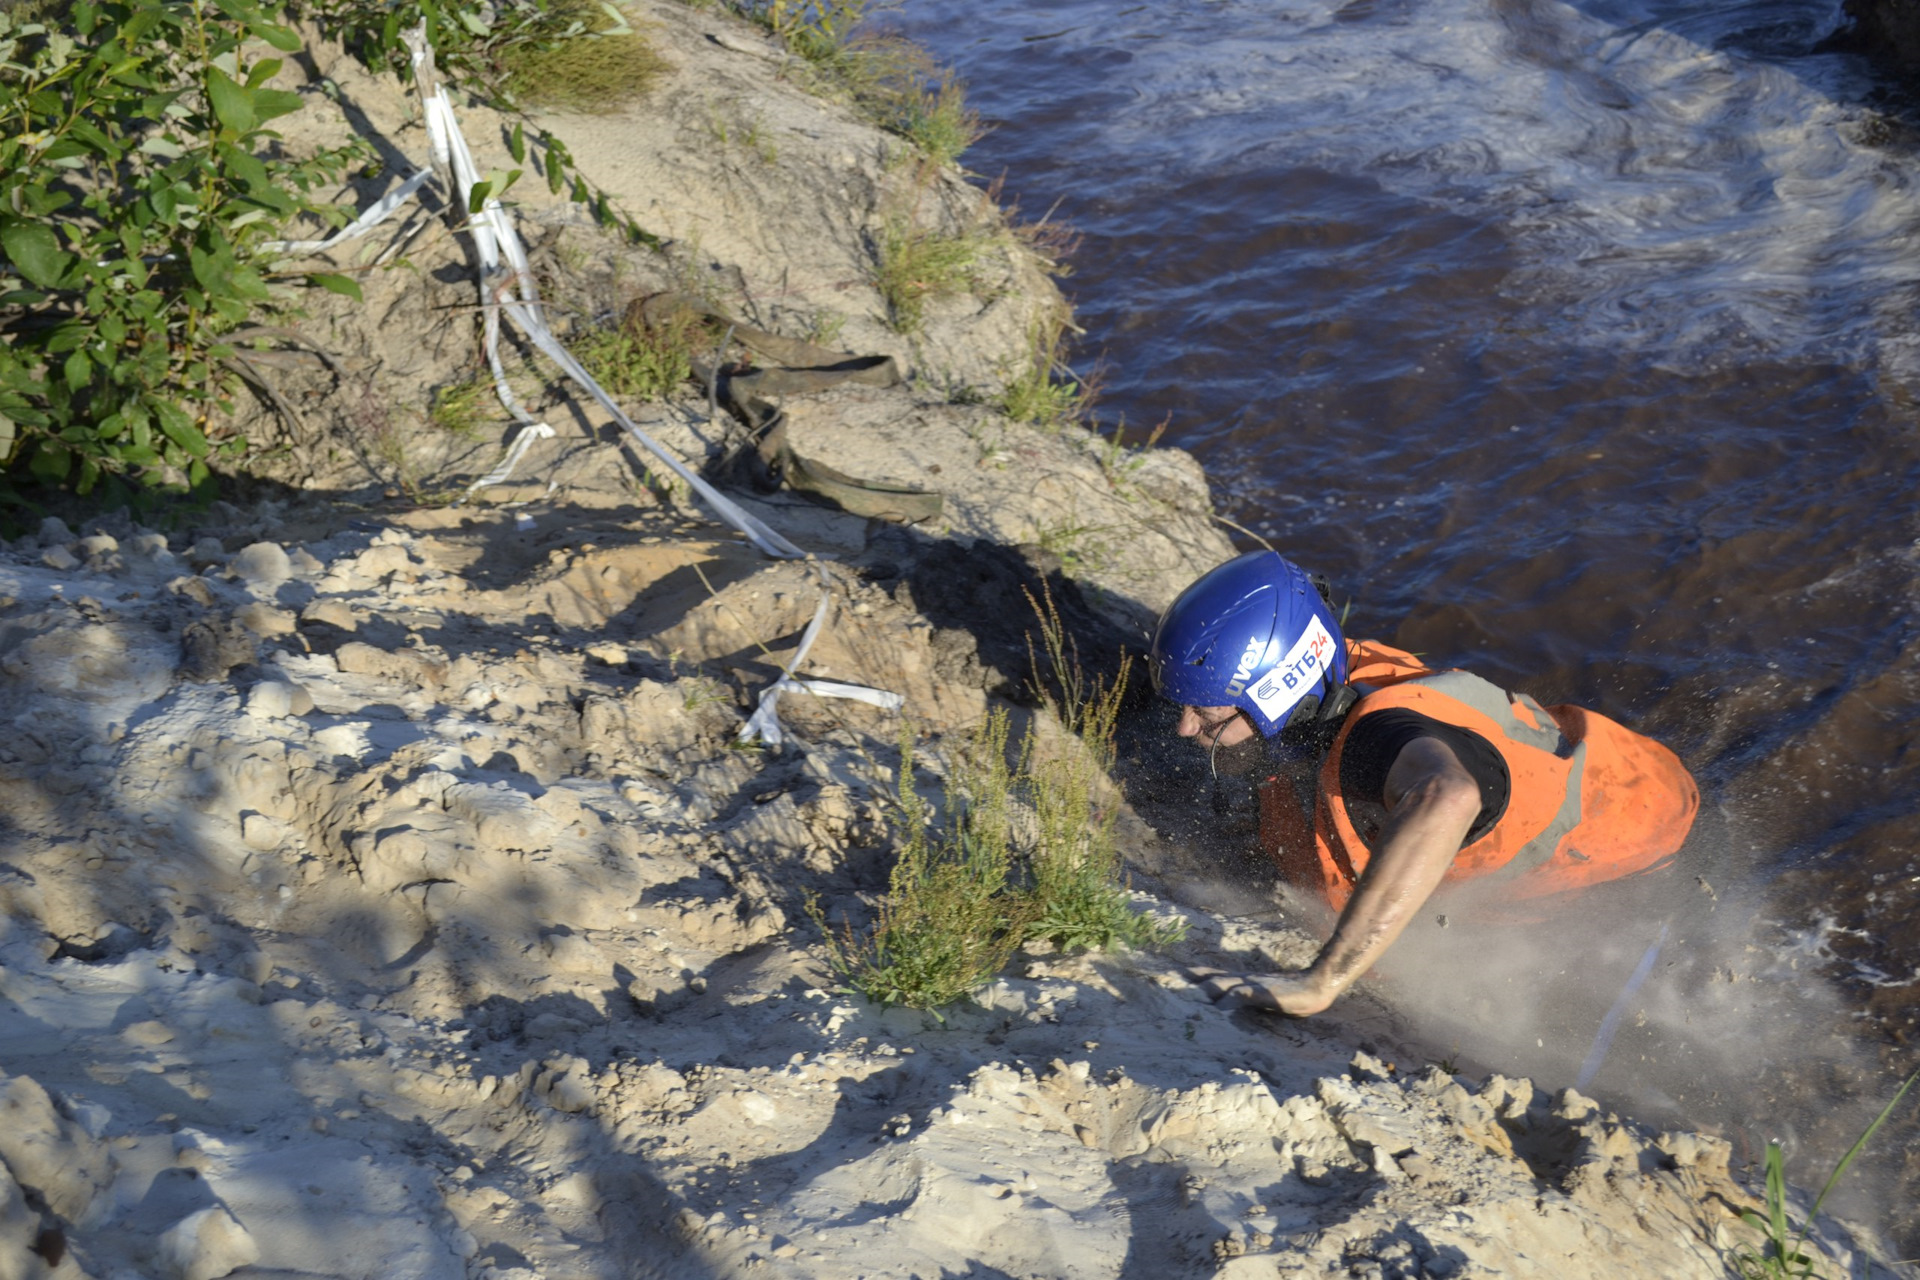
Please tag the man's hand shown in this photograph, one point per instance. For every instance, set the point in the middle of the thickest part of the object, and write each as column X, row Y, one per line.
column 1298, row 995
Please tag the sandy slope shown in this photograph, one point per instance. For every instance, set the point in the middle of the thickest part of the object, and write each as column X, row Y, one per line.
column 371, row 913
column 386, row 894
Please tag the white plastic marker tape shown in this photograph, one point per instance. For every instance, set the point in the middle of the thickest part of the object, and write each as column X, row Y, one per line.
column 495, row 241
column 498, row 246
column 764, row 724
column 521, row 443
column 377, row 212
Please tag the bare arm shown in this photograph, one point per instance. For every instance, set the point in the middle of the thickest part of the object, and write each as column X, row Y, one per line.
column 1431, row 803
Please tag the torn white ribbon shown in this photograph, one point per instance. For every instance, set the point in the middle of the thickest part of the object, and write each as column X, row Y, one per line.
column 764, row 724
column 521, row 443
column 377, row 212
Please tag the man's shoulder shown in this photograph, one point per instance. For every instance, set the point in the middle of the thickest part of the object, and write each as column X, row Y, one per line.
column 1375, row 663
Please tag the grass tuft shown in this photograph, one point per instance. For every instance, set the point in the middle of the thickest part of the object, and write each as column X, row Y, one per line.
column 1078, row 883
column 927, row 109
column 891, row 80
column 462, row 408
column 592, row 62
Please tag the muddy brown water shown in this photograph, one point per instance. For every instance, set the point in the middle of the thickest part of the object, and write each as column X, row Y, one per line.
column 1577, row 345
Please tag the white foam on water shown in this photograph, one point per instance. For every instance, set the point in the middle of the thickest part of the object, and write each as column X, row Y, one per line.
column 1682, row 181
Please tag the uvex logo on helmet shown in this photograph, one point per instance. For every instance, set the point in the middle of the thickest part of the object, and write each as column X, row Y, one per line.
column 1244, row 672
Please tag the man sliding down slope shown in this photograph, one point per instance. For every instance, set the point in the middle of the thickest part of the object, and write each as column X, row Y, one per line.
column 1388, row 779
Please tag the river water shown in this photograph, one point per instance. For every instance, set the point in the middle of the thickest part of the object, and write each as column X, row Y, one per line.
column 1578, row 345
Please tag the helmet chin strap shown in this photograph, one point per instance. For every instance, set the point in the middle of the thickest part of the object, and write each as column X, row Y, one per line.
column 1312, row 720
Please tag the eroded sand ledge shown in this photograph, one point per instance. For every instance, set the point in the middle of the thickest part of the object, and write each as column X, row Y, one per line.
column 383, row 894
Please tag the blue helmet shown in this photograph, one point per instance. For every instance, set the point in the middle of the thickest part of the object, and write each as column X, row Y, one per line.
column 1254, row 633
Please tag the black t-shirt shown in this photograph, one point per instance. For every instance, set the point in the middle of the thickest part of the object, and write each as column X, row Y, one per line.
column 1377, row 740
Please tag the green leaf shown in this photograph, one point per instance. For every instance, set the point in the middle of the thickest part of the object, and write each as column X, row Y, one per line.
column 245, row 166
column 270, row 103
column 78, row 371
column 36, row 253
column 232, row 103
column 9, row 439
column 496, row 184
column 263, row 71
column 180, row 429
column 517, row 143
column 342, row 285
column 208, row 269
column 282, row 38
column 247, row 283
column 51, row 462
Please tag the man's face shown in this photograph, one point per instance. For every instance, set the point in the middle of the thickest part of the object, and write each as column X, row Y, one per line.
column 1214, row 726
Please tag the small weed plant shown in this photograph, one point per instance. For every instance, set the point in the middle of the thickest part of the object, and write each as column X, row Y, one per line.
column 1081, row 548
column 1078, row 886
column 1043, row 391
column 1120, row 460
column 949, row 922
column 462, row 408
column 1028, row 851
column 1783, row 1254
column 750, row 133
column 636, row 360
column 930, row 112
column 914, row 266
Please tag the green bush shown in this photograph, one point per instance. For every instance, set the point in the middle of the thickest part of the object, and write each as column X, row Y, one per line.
column 139, row 185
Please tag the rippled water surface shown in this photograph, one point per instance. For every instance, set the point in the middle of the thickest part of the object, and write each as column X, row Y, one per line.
column 1574, row 342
